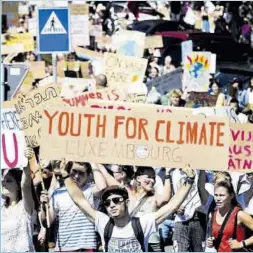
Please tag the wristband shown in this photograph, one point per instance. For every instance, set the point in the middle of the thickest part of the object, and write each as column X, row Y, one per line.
column 244, row 244
column 67, row 176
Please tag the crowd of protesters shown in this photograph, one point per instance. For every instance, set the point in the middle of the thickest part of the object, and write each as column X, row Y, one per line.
column 72, row 206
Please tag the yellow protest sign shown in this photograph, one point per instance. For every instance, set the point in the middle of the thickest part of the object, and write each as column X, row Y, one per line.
column 22, row 38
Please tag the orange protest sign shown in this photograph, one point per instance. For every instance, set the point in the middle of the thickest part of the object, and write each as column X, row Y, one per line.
column 241, row 148
column 134, row 138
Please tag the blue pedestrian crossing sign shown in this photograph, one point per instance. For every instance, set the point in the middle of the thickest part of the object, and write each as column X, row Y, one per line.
column 53, row 30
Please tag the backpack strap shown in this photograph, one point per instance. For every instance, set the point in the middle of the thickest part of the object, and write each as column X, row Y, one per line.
column 138, row 232
column 108, row 232
column 220, row 233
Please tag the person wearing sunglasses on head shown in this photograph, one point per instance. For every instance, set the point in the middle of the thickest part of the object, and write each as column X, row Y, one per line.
column 118, row 230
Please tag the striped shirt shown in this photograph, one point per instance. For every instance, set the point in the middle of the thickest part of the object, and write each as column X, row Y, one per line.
column 73, row 229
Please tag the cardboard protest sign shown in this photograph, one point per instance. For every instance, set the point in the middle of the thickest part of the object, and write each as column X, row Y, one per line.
column 72, row 87
column 79, row 24
column 30, row 108
column 241, row 148
column 88, row 54
column 103, row 136
column 167, row 82
column 122, row 69
column 213, row 64
column 224, row 111
column 129, row 43
column 113, row 94
column 85, row 69
column 32, row 26
column 22, row 38
column 12, row 140
column 38, row 69
column 137, row 93
column 10, row 49
column 186, row 49
column 155, row 41
column 196, row 71
column 203, row 98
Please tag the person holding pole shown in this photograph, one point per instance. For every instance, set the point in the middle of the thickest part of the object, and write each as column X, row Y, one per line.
column 17, row 209
column 74, row 231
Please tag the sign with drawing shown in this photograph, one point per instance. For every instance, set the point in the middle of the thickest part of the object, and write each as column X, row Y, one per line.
column 197, row 71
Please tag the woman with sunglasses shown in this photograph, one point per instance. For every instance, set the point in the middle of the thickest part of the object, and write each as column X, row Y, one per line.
column 17, row 210
column 228, row 221
column 116, row 201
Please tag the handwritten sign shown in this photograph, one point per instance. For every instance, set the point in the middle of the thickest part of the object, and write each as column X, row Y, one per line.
column 122, row 69
column 22, row 38
column 88, row 54
column 79, row 24
column 113, row 94
column 12, row 140
column 72, row 87
column 155, row 41
column 30, row 108
column 38, row 69
column 196, row 71
column 134, row 138
column 241, row 148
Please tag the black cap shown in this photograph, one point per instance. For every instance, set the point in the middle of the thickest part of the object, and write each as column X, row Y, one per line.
column 115, row 189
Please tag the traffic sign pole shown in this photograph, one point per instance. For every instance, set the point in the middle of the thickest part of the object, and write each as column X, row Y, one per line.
column 54, row 62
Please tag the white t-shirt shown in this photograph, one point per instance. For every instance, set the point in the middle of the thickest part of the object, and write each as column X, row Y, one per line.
column 123, row 238
column 16, row 229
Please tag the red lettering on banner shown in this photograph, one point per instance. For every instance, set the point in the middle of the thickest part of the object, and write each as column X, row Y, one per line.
column 6, row 159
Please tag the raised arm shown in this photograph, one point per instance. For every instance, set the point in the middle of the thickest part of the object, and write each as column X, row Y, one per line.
column 99, row 179
column 203, row 193
column 110, row 180
column 26, row 185
column 177, row 199
column 165, row 197
column 77, row 196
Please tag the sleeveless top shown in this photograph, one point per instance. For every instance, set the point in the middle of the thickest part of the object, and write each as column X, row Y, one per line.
column 16, row 229
column 228, row 231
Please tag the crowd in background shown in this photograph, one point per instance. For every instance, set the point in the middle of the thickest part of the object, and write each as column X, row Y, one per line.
column 68, row 207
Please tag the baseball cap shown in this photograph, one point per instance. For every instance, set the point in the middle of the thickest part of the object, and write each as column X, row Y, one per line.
column 145, row 170
column 115, row 189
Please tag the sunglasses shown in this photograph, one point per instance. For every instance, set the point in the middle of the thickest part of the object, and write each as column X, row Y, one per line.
column 149, row 180
column 116, row 201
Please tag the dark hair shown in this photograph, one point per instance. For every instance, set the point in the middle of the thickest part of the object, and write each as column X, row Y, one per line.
column 17, row 175
column 236, row 80
column 128, row 169
column 214, row 80
column 83, row 164
column 234, row 100
column 228, row 185
column 145, row 170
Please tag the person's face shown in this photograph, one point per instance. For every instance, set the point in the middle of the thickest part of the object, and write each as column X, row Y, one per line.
column 222, row 197
column 155, row 59
column 215, row 88
column 167, row 62
column 32, row 57
column 79, row 174
column 46, row 173
column 235, row 85
column 153, row 73
column 9, row 186
column 175, row 99
column 117, row 173
column 251, row 82
column 116, row 205
column 146, row 182
column 234, row 105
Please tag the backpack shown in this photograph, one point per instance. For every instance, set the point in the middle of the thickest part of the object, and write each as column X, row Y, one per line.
column 136, row 227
